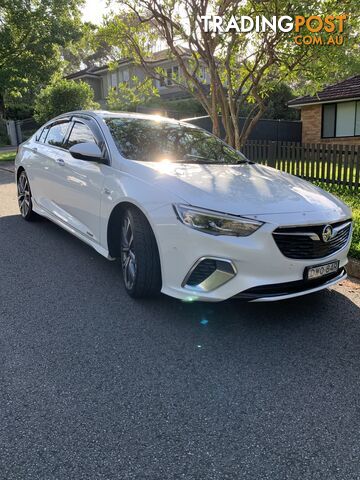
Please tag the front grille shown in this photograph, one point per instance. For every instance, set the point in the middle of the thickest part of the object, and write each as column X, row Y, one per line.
column 307, row 243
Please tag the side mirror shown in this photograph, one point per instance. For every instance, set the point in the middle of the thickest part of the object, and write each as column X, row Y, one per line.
column 86, row 151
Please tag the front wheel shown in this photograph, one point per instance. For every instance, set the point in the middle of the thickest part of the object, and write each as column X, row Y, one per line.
column 25, row 198
column 139, row 256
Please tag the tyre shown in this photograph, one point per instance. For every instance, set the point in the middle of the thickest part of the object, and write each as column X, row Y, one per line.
column 25, row 198
column 139, row 256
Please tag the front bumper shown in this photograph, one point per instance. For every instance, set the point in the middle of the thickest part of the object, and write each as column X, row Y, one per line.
column 257, row 261
column 282, row 291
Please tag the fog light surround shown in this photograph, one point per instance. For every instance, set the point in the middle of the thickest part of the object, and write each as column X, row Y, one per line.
column 209, row 273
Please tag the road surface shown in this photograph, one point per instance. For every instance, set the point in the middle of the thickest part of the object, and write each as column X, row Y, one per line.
column 95, row 385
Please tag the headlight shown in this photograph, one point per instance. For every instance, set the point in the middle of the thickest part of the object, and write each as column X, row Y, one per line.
column 216, row 223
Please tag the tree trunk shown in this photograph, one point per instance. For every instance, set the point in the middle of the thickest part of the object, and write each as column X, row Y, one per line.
column 215, row 124
column 229, row 129
column 249, row 125
column 237, row 136
column 214, row 114
column 2, row 105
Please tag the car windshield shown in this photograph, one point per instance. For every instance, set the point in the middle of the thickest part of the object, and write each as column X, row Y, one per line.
column 148, row 140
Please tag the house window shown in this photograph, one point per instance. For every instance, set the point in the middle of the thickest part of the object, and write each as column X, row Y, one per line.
column 124, row 75
column 114, row 80
column 357, row 119
column 329, row 116
column 341, row 119
column 171, row 75
column 202, row 73
column 345, row 119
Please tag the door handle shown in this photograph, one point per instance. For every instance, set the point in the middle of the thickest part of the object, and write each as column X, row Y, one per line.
column 34, row 149
column 60, row 162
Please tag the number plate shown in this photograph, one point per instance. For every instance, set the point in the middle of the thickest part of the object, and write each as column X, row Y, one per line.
column 318, row 271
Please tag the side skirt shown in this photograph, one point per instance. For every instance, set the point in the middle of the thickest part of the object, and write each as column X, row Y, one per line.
column 96, row 246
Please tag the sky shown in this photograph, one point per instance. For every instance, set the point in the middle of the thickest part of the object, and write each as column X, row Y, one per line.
column 93, row 10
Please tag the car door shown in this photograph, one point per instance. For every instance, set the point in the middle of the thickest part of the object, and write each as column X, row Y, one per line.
column 31, row 160
column 79, row 183
column 45, row 152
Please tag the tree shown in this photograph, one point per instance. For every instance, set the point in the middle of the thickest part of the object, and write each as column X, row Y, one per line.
column 63, row 96
column 86, row 50
column 243, row 68
column 31, row 34
column 127, row 97
column 276, row 104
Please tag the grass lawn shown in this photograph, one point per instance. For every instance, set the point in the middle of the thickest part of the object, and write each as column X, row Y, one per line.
column 352, row 199
column 7, row 156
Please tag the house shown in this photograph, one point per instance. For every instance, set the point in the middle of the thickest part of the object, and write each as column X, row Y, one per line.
column 333, row 115
column 102, row 79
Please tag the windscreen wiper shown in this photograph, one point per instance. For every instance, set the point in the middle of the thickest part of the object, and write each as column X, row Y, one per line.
column 187, row 155
column 241, row 162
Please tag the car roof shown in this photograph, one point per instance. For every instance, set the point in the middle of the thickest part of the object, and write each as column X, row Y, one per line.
column 107, row 114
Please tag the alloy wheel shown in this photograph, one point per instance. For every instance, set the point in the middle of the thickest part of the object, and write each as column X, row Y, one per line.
column 128, row 258
column 24, row 195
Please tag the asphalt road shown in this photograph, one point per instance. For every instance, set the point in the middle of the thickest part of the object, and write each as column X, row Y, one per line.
column 94, row 385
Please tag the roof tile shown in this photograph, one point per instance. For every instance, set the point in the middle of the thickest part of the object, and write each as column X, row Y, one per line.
column 349, row 88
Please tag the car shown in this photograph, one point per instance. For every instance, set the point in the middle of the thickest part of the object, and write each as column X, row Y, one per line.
column 185, row 213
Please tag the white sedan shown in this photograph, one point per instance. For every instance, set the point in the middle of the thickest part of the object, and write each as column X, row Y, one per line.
column 186, row 214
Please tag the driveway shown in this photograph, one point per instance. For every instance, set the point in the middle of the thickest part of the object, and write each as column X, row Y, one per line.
column 94, row 385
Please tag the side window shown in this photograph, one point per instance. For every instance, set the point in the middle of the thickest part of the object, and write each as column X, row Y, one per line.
column 43, row 134
column 38, row 134
column 80, row 133
column 57, row 134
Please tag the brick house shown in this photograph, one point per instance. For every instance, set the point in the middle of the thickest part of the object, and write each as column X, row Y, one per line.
column 332, row 115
